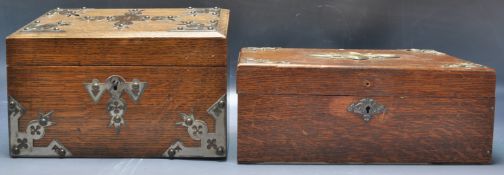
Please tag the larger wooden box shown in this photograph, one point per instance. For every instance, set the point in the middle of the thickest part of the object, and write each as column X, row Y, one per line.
column 119, row 83
column 363, row 106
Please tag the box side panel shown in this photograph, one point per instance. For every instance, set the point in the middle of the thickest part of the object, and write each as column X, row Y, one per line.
column 320, row 129
column 357, row 81
column 116, row 51
column 150, row 127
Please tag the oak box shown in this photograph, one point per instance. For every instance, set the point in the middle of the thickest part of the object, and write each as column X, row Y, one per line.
column 119, row 83
column 363, row 106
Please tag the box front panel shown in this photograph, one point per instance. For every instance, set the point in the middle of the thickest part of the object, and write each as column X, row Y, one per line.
column 117, row 111
column 357, row 129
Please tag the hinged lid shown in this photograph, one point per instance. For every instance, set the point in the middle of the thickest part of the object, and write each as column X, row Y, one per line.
column 190, row 36
column 409, row 72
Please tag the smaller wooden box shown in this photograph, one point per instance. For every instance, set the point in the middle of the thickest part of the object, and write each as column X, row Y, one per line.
column 363, row 106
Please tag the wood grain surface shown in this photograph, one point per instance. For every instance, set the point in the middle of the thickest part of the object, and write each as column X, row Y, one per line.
column 411, row 74
column 81, row 125
column 116, row 51
column 319, row 129
column 364, row 81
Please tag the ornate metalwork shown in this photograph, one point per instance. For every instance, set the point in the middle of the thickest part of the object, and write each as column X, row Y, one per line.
column 66, row 12
column 367, row 108
column 185, row 26
column 35, row 26
column 467, row 65
column 21, row 143
column 136, row 15
column 213, row 145
column 127, row 19
column 354, row 56
column 427, row 51
column 198, row 11
column 95, row 18
column 121, row 21
column 264, row 61
column 163, row 18
column 116, row 106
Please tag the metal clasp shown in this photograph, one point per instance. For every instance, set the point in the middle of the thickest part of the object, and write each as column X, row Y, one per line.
column 116, row 106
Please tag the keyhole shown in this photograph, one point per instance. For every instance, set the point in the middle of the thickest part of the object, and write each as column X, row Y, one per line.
column 368, row 108
column 114, row 82
column 366, row 83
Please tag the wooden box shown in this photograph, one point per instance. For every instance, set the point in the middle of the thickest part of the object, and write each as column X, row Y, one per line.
column 363, row 106
column 119, row 83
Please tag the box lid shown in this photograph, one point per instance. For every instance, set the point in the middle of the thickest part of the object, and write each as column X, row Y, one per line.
column 403, row 73
column 177, row 36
